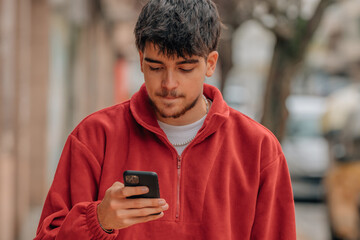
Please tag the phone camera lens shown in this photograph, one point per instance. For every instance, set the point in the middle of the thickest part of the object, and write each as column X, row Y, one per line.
column 132, row 179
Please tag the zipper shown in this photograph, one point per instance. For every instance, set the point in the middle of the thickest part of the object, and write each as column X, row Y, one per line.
column 178, row 187
column 179, row 161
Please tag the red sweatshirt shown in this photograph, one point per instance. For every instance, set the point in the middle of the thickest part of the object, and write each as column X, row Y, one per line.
column 231, row 182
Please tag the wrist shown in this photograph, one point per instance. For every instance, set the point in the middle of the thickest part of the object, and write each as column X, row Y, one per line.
column 106, row 230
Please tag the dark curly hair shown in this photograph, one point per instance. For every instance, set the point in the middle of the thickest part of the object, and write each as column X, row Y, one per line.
column 181, row 27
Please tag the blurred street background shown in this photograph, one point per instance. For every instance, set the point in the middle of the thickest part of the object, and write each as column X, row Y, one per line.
column 293, row 65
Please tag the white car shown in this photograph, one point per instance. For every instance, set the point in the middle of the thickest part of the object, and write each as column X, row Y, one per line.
column 305, row 148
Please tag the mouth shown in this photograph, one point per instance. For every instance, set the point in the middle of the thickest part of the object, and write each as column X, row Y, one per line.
column 169, row 101
column 170, row 97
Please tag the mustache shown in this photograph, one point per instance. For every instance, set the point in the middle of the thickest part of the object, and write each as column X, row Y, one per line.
column 167, row 93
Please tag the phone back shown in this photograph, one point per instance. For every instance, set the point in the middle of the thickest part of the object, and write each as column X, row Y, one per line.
column 142, row 178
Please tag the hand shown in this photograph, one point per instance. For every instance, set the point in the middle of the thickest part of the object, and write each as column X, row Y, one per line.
column 116, row 211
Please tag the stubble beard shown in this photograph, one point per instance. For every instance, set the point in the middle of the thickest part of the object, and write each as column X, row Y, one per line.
column 177, row 114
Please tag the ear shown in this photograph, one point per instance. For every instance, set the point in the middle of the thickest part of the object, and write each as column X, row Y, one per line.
column 211, row 63
column 141, row 55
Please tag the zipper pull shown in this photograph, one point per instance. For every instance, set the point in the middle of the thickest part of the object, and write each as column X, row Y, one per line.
column 179, row 162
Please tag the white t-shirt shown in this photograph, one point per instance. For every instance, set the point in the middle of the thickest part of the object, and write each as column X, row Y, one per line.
column 181, row 136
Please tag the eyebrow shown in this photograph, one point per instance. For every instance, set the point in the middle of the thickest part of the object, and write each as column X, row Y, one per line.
column 190, row 61
column 153, row 60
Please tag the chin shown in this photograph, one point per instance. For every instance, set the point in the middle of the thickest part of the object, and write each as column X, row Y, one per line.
column 171, row 113
column 173, row 109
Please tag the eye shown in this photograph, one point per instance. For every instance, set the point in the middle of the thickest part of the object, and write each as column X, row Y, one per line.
column 186, row 70
column 155, row 68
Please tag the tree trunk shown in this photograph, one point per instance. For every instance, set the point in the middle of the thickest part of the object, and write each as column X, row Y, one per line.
column 225, row 59
column 288, row 58
column 282, row 70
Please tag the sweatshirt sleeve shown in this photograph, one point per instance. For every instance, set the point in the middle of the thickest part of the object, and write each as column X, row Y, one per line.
column 70, row 207
column 275, row 213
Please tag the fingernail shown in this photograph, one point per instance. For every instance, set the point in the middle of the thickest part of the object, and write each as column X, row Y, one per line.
column 144, row 189
column 162, row 202
column 165, row 207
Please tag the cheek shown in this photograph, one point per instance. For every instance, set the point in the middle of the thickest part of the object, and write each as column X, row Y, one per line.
column 194, row 85
column 151, row 79
column 150, row 85
column 196, row 80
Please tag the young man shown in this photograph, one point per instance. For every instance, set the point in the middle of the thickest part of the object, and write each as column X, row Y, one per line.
column 221, row 174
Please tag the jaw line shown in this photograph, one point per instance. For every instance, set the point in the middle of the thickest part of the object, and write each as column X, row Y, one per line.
column 175, row 115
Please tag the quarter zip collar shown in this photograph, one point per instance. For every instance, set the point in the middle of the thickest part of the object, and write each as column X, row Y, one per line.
column 144, row 113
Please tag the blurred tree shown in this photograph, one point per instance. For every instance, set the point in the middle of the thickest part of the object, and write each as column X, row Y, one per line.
column 233, row 13
column 293, row 28
column 92, row 48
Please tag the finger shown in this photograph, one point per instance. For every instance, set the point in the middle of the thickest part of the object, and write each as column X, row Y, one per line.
column 143, row 202
column 132, row 191
column 136, row 220
column 143, row 212
column 119, row 190
column 116, row 189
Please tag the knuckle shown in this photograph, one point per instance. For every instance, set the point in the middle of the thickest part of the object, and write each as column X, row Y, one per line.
column 143, row 212
column 114, row 189
column 121, row 192
column 113, row 205
column 155, row 202
column 121, row 223
column 118, row 185
column 121, row 219
column 125, row 222
column 138, row 203
column 111, row 191
column 108, row 191
column 120, row 216
column 125, row 192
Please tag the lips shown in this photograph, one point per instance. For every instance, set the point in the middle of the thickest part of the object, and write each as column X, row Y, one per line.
column 169, row 94
column 169, row 101
column 170, row 97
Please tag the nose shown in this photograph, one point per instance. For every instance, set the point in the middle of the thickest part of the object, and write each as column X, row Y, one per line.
column 169, row 80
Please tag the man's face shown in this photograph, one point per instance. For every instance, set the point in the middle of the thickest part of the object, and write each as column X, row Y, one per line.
column 175, row 85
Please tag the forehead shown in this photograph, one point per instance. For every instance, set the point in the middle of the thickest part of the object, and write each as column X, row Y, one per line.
column 153, row 51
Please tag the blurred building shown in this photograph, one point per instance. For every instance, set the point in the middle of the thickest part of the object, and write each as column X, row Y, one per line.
column 59, row 61
column 24, row 62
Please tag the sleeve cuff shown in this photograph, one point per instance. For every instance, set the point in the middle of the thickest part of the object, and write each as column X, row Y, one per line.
column 94, row 226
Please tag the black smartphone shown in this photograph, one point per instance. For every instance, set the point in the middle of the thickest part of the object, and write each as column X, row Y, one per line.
column 142, row 178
